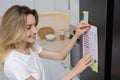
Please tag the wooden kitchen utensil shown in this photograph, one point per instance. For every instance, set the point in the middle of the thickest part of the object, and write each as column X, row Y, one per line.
column 42, row 32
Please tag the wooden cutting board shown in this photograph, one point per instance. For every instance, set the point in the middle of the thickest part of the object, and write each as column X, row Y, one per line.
column 42, row 32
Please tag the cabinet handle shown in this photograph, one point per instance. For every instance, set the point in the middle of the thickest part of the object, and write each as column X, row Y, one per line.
column 64, row 66
column 69, row 5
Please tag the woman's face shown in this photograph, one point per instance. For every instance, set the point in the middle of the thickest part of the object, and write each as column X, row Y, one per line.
column 31, row 29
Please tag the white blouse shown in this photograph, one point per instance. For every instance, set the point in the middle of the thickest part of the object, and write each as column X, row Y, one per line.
column 19, row 66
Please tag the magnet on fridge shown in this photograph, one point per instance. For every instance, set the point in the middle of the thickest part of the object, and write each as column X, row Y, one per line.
column 95, row 61
column 85, row 15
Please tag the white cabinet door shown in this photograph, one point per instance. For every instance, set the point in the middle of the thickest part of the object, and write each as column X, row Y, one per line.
column 74, row 11
column 71, row 7
column 52, row 5
column 29, row 3
column 45, row 5
column 63, row 5
column 4, row 5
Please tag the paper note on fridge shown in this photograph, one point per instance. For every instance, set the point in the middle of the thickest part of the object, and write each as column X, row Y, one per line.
column 90, row 45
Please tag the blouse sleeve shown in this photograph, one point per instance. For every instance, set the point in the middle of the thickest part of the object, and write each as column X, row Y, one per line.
column 38, row 48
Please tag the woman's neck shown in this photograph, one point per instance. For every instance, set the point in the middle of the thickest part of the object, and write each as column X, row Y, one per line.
column 22, row 48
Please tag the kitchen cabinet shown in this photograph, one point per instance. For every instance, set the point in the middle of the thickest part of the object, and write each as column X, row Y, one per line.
column 30, row 3
column 55, row 69
column 67, row 6
column 71, row 7
column 74, row 11
column 4, row 5
column 45, row 5
column 52, row 5
column 63, row 6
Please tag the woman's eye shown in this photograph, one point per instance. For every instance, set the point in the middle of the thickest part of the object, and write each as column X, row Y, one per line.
column 28, row 28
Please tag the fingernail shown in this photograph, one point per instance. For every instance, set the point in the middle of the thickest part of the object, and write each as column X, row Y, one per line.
column 83, row 27
column 89, row 26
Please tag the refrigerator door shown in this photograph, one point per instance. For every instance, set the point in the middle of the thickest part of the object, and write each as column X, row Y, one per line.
column 97, row 16
column 115, row 66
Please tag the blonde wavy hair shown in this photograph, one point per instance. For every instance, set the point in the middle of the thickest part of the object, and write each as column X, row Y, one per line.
column 13, row 29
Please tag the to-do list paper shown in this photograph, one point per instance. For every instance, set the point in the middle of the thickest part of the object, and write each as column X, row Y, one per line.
column 90, row 45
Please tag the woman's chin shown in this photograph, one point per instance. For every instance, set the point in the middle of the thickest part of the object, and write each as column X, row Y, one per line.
column 31, row 41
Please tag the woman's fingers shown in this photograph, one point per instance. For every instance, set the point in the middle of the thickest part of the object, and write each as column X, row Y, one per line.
column 88, row 59
column 83, row 23
column 83, row 63
column 84, row 30
column 82, row 27
column 89, row 64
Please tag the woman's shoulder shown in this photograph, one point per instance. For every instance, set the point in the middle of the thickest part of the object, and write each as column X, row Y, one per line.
column 10, row 55
column 13, row 61
column 14, row 57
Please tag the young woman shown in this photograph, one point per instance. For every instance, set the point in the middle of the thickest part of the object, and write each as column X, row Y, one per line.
column 20, row 56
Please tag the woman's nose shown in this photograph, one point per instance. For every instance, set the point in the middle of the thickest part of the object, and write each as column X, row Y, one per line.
column 34, row 30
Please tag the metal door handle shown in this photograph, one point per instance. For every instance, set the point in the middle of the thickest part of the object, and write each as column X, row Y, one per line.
column 69, row 7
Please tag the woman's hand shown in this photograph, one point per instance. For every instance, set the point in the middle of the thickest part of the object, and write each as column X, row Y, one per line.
column 82, row 64
column 79, row 67
column 81, row 28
